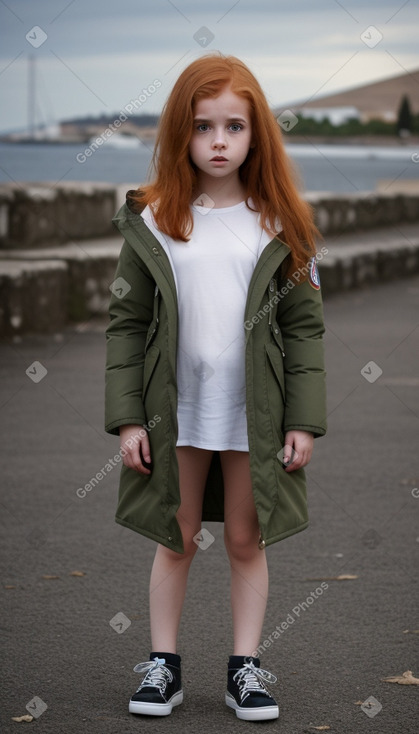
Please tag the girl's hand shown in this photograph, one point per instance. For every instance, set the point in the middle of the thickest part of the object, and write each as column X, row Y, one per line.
column 134, row 441
column 302, row 444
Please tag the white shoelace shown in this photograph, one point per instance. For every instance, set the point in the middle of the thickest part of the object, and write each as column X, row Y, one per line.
column 157, row 674
column 251, row 680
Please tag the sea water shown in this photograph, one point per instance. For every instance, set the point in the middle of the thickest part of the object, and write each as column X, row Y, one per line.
column 336, row 168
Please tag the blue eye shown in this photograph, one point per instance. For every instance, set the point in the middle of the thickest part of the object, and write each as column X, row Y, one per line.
column 201, row 126
column 236, row 127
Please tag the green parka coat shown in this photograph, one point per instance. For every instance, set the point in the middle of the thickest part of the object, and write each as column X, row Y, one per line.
column 285, row 385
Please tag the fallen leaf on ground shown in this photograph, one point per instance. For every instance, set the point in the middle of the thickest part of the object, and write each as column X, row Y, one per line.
column 321, row 728
column 406, row 679
column 9, row 586
column 27, row 717
column 358, row 703
column 405, row 632
column 77, row 573
column 49, row 576
column 342, row 577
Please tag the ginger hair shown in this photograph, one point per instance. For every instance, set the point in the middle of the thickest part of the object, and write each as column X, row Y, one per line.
column 267, row 173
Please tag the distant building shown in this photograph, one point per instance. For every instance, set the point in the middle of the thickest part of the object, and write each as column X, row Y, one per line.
column 384, row 115
column 335, row 115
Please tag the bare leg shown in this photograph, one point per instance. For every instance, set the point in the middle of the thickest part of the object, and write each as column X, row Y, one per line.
column 169, row 574
column 249, row 570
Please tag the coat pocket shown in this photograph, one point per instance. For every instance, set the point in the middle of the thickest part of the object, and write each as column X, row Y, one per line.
column 155, row 322
column 151, row 359
column 275, row 391
column 275, row 359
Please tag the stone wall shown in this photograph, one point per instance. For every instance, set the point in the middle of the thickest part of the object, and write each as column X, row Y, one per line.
column 40, row 215
column 352, row 212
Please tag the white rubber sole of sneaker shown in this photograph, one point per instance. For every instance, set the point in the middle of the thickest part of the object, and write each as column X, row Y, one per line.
column 155, row 709
column 260, row 713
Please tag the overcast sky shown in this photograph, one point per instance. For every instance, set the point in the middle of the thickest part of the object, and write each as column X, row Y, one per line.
column 98, row 55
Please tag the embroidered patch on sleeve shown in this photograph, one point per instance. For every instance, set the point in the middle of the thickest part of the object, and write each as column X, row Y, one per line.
column 313, row 274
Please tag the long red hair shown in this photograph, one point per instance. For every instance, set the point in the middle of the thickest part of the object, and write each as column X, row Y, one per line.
column 267, row 172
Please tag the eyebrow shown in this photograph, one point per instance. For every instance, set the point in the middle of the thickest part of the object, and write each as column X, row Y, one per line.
column 229, row 119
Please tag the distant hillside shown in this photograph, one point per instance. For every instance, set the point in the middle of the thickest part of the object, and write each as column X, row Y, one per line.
column 139, row 120
column 377, row 100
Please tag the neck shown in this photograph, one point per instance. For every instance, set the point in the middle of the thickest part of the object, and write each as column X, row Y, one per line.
column 224, row 192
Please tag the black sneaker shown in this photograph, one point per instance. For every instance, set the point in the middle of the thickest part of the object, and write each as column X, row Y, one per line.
column 160, row 689
column 246, row 691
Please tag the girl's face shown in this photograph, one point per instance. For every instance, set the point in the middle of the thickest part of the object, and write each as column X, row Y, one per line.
column 221, row 135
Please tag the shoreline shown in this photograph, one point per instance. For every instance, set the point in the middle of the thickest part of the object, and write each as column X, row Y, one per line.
column 150, row 136
column 370, row 140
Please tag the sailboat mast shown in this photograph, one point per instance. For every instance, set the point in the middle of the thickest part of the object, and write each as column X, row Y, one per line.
column 31, row 96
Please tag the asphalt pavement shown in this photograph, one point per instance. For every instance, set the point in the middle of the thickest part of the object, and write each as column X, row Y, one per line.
column 75, row 584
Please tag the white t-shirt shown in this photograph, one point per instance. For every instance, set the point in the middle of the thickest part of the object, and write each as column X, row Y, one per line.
column 212, row 274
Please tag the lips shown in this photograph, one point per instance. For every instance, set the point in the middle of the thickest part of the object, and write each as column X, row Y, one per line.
column 218, row 158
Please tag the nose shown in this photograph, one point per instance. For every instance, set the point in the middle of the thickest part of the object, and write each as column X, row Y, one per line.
column 219, row 139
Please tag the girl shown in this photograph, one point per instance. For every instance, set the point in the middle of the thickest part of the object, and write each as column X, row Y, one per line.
column 215, row 380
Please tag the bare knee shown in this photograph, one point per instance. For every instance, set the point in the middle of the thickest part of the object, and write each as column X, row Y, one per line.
column 241, row 543
column 189, row 546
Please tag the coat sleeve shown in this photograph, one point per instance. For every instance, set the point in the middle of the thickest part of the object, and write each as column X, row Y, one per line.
column 300, row 319
column 131, row 313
